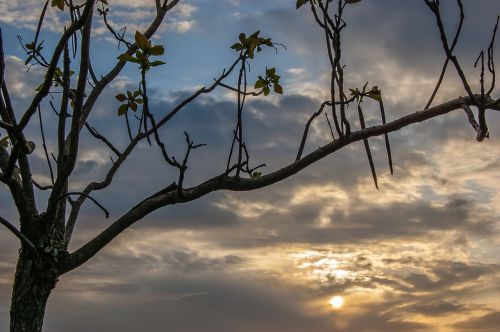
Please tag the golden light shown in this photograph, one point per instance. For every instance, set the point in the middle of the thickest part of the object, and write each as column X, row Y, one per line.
column 337, row 302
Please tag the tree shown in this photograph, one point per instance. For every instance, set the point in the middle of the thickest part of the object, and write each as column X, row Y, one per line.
column 45, row 236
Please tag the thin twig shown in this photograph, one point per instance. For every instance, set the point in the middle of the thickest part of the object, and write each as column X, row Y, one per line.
column 45, row 146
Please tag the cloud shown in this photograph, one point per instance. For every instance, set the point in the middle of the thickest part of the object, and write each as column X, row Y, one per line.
column 486, row 323
column 418, row 255
column 135, row 15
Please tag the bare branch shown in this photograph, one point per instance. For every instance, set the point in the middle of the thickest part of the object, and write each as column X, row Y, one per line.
column 306, row 129
column 45, row 146
column 470, row 116
column 19, row 235
column 225, row 182
column 106, row 212
column 58, row 50
column 100, row 137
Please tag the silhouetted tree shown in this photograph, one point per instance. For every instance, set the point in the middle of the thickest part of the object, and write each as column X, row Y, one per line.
column 45, row 236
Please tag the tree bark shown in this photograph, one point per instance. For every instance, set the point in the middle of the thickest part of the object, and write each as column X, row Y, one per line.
column 34, row 280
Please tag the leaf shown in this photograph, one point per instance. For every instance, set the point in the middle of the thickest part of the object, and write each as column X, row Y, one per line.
column 121, row 97
column 375, row 95
column 58, row 3
column 141, row 57
column 255, row 34
column 128, row 57
column 157, row 50
column 270, row 72
column 242, row 37
column 266, row 90
column 122, row 109
column 133, row 106
column 267, row 42
column 256, row 175
column 156, row 63
column 141, row 40
column 300, row 3
column 260, row 83
column 237, row 46
column 28, row 60
column 278, row 89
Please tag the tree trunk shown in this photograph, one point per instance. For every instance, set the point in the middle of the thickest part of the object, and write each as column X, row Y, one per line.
column 34, row 280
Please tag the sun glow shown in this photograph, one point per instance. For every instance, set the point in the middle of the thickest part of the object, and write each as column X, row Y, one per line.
column 337, row 302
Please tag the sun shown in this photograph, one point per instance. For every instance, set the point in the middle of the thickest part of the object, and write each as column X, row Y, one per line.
column 337, row 302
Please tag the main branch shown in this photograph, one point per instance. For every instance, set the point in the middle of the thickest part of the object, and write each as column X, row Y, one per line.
column 170, row 196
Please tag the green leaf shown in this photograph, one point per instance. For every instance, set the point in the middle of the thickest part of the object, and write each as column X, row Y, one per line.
column 156, row 63
column 267, row 42
column 127, row 57
column 157, row 50
column 122, row 109
column 300, row 3
column 278, row 89
column 141, row 40
column 142, row 58
column 256, row 175
column 237, row 46
column 260, row 83
column 121, row 97
column 255, row 34
column 242, row 38
column 266, row 90
column 58, row 3
column 270, row 72
column 375, row 94
column 28, row 60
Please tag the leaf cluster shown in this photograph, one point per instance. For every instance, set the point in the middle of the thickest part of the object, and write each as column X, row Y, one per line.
column 271, row 79
column 32, row 50
column 248, row 45
column 145, row 50
column 131, row 100
column 58, row 78
column 375, row 93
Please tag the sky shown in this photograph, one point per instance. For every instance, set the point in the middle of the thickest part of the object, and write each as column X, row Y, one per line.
column 420, row 254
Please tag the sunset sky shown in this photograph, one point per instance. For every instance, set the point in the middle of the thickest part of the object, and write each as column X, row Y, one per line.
column 420, row 254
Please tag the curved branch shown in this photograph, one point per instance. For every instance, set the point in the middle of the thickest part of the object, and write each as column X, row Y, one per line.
column 170, row 196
